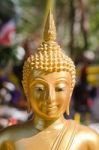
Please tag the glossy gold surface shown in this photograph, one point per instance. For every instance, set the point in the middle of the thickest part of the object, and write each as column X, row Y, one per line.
column 48, row 81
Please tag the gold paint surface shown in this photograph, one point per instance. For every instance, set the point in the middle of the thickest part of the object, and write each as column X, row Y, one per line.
column 48, row 81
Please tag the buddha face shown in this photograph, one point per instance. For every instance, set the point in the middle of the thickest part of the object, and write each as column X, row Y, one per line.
column 50, row 94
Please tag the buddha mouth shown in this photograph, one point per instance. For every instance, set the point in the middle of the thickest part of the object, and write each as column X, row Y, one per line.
column 50, row 109
column 52, row 112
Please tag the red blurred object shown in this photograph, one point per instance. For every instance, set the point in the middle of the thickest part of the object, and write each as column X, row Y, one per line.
column 12, row 121
column 90, row 103
column 7, row 33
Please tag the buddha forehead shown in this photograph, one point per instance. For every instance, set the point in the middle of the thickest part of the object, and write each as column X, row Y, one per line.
column 51, row 77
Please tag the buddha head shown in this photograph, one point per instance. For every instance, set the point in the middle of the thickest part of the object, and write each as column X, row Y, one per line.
column 49, row 77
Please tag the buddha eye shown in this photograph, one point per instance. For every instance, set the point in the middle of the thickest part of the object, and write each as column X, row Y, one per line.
column 39, row 88
column 60, row 87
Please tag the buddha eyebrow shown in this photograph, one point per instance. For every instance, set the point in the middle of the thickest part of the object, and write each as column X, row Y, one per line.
column 62, row 78
column 40, row 79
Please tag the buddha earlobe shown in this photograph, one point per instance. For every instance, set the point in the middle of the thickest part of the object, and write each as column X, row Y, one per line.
column 28, row 106
column 67, row 110
column 28, row 109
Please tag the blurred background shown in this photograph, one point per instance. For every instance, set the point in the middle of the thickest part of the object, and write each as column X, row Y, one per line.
column 21, row 27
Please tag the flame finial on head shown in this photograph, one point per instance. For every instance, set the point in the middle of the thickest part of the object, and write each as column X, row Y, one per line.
column 50, row 29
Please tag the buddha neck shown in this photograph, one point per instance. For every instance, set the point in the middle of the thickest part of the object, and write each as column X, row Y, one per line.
column 41, row 124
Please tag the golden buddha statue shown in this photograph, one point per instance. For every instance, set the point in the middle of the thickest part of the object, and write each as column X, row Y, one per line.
column 48, row 81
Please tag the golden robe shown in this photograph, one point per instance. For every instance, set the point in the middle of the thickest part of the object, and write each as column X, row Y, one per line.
column 72, row 136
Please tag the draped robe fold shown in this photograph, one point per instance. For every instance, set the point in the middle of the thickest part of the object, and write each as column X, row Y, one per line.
column 50, row 139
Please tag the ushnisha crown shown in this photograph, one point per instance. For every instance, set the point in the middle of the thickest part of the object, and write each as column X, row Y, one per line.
column 49, row 57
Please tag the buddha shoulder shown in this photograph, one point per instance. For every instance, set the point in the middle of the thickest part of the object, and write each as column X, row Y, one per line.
column 88, row 136
column 88, row 132
column 81, row 137
column 16, row 132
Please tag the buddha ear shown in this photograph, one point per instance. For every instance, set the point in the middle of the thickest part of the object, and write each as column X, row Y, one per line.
column 29, row 109
column 28, row 106
column 68, row 105
column 28, row 98
column 67, row 108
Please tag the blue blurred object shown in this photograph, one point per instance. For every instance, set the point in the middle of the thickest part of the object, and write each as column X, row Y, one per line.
column 9, row 94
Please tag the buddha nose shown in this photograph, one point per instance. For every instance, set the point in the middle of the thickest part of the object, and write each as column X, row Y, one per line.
column 51, row 95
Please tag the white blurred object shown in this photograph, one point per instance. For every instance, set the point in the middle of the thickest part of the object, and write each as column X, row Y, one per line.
column 95, row 126
column 8, row 97
column 3, row 122
column 89, row 55
column 9, row 86
column 13, row 113
column 20, row 53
